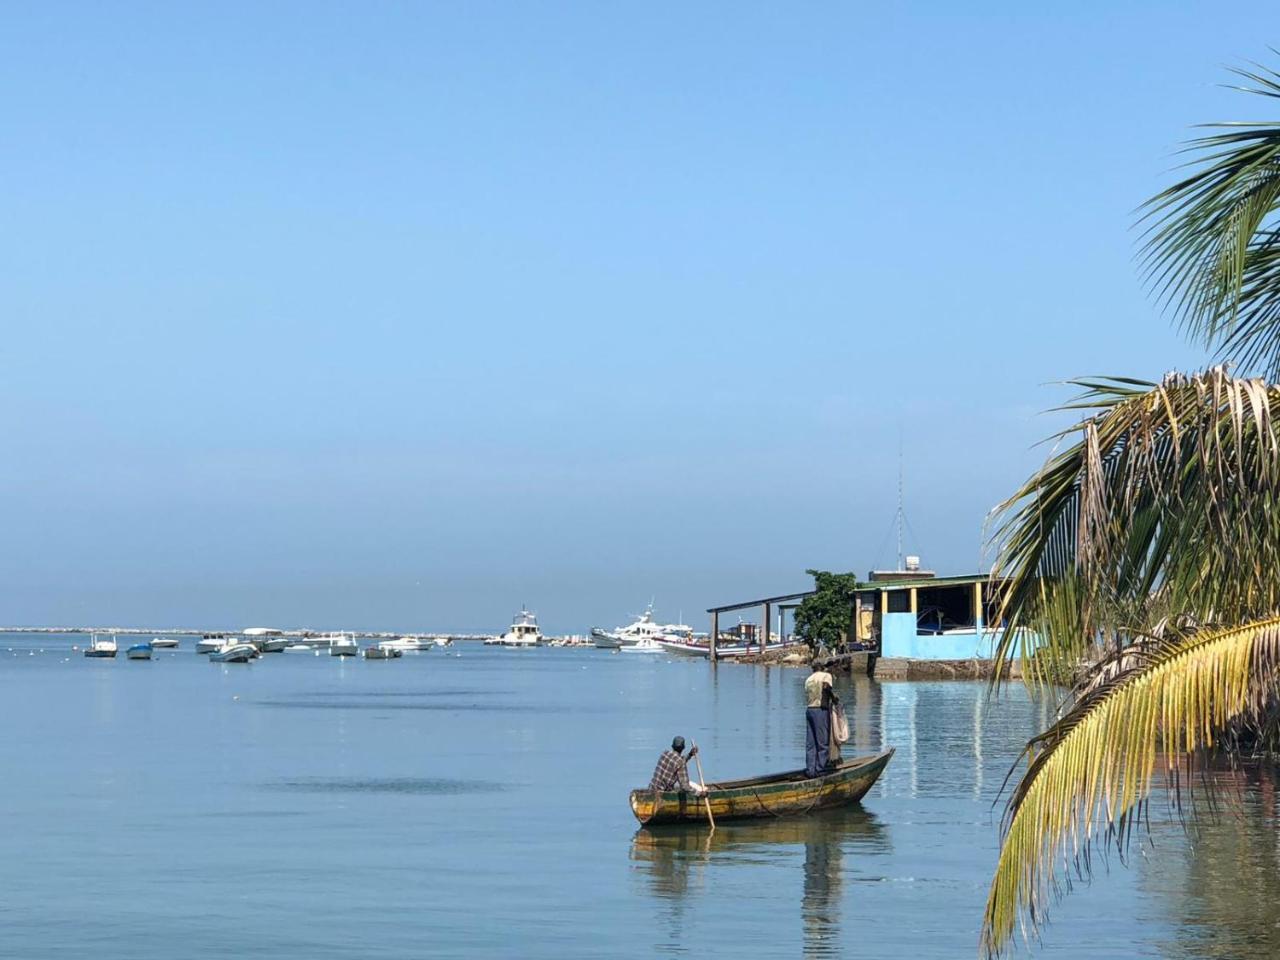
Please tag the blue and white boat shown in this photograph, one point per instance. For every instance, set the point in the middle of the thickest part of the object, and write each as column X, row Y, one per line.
column 139, row 651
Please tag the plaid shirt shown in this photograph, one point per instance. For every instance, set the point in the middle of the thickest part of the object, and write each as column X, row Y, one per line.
column 670, row 773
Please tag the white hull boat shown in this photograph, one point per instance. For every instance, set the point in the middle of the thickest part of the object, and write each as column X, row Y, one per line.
column 164, row 643
column 212, row 642
column 101, row 647
column 647, row 645
column 234, row 653
column 300, row 648
column 409, row 644
column 642, row 629
column 726, row 651
column 343, row 646
column 524, row 633
column 383, row 651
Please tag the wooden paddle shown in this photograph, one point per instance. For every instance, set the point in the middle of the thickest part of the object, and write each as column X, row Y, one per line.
column 703, row 780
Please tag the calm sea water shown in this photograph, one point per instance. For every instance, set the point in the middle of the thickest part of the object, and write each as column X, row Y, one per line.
column 474, row 802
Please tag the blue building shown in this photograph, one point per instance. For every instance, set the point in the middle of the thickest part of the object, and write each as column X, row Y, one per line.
column 908, row 614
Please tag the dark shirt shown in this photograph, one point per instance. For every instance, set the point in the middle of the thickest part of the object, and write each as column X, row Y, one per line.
column 670, row 773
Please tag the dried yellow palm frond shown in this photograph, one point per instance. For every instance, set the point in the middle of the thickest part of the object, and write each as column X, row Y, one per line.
column 1091, row 771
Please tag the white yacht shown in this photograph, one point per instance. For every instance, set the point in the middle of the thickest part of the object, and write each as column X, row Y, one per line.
column 164, row 643
column 642, row 629
column 524, row 632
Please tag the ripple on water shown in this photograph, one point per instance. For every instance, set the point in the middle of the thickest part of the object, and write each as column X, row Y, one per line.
column 420, row 786
column 488, row 707
column 447, row 692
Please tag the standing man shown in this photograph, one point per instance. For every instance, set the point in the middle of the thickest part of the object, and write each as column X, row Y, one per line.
column 817, row 721
column 672, row 771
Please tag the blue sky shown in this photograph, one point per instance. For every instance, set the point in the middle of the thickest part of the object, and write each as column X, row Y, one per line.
column 402, row 315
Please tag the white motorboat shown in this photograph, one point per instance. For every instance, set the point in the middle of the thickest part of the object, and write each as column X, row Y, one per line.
column 321, row 641
column 300, row 648
column 409, row 644
column 524, row 632
column 212, row 642
column 647, row 645
column 442, row 641
column 234, row 651
column 101, row 646
column 343, row 645
column 164, row 643
column 383, row 651
column 643, row 628
column 266, row 639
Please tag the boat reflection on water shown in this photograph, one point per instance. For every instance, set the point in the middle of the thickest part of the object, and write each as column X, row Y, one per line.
column 675, row 859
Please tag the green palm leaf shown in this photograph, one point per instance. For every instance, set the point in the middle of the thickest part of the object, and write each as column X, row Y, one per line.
column 1212, row 241
column 1091, row 772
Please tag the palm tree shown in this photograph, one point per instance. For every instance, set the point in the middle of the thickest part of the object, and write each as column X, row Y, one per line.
column 1146, row 554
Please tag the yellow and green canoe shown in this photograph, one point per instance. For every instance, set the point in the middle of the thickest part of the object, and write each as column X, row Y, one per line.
column 788, row 794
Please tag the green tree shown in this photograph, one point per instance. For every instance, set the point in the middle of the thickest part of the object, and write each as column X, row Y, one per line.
column 1146, row 555
column 826, row 617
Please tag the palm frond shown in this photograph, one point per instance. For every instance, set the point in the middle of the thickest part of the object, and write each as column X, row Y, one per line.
column 1210, row 240
column 1090, row 773
column 1167, row 504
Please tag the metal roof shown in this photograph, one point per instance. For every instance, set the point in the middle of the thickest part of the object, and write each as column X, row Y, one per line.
column 905, row 583
column 761, row 602
column 865, row 586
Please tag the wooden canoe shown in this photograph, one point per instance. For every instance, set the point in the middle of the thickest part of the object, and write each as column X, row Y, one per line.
column 788, row 794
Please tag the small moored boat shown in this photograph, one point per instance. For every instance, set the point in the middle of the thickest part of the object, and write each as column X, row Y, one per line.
column 212, row 642
column 164, row 643
column 780, row 795
column 647, row 645
column 724, row 651
column 101, row 646
column 234, row 653
column 407, row 644
column 342, row 645
column 139, row 651
column 383, row 651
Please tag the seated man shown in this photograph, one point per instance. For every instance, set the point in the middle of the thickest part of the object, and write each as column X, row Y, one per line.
column 672, row 771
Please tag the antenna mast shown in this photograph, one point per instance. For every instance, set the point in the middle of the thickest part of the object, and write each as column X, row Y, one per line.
column 900, row 514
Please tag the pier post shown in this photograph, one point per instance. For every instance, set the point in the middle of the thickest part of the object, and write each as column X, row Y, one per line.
column 977, row 613
column 715, row 632
column 764, row 629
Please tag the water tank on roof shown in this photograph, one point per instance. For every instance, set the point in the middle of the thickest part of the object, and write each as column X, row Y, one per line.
column 913, row 564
